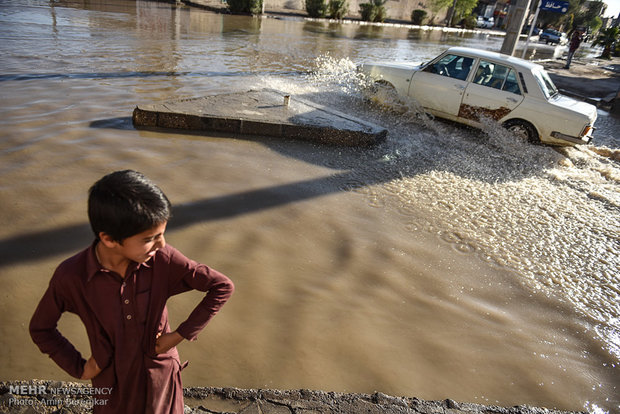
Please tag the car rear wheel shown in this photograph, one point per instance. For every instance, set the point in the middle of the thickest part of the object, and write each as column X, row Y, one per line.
column 523, row 129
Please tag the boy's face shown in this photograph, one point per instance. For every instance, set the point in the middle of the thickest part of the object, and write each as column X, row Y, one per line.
column 142, row 246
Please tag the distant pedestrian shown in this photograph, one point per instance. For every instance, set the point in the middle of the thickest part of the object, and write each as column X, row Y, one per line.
column 575, row 41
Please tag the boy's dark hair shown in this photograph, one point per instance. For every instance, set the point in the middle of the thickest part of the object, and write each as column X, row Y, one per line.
column 125, row 203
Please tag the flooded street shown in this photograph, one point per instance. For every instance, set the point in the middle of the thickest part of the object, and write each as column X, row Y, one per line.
column 443, row 263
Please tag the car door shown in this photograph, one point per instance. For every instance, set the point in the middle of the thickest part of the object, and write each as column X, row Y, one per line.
column 493, row 92
column 439, row 87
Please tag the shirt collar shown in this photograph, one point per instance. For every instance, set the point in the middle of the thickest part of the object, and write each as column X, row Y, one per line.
column 93, row 266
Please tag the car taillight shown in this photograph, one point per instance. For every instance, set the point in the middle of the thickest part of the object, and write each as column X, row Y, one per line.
column 587, row 130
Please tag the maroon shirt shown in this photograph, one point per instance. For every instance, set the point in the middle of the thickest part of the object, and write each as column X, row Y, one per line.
column 122, row 317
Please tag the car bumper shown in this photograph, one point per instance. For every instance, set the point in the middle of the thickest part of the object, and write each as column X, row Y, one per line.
column 571, row 139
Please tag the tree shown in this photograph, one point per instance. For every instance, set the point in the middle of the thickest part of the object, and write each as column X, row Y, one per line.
column 570, row 23
column 245, row 6
column 316, row 8
column 590, row 18
column 462, row 8
column 418, row 16
column 607, row 38
column 338, row 9
column 373, row 11
column 469, row 22
column 595, row 24
column 436, row 6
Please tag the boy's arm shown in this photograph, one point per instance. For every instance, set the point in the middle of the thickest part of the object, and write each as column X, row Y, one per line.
column 49, row 340
column 197, row 276
column 167, row 341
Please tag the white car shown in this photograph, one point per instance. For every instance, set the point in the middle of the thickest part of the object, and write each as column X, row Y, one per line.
column 465, row 85
column 485, row 22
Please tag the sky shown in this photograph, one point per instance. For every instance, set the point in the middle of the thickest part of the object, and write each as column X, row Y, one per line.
column 613, row 8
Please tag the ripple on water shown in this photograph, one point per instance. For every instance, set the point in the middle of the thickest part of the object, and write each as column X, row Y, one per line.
column 376, row 202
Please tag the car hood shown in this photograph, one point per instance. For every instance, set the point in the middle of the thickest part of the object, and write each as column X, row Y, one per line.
column 396, row 65
column 584, row 108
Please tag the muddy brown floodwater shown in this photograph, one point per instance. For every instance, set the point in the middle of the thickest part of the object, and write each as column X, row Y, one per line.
column 443, row 263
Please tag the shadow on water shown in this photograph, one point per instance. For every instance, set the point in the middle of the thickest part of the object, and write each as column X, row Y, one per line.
column 39, row 245
column 122, row 123
column 450, row 148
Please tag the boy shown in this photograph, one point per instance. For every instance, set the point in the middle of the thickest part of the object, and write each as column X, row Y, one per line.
column 119, row 287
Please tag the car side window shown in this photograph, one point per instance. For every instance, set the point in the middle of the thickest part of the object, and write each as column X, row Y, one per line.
column 497, row 77
column 453, row 66
column 511, row 84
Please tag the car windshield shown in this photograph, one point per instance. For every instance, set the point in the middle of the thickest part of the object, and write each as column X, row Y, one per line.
column 545, row 83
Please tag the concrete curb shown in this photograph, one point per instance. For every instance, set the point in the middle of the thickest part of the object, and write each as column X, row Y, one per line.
column 240, row 401
column 40, row 396
column 261, row 113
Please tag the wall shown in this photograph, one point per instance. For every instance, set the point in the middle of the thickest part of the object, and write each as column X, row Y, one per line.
column 396, row 9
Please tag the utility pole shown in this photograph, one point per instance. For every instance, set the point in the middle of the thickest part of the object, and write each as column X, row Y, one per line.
column 516, row 17
column 532, row 26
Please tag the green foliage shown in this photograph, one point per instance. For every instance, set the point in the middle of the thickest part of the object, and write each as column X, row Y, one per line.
column 462, row 9
column 418, row 16
column 590, row 17
column 373, row 11
column 245, row 6
column 607, row 38
column 594, row 10
column 570, row 21
column 595, row 24
column 316, row 8
column 338, row 9
column 437, row 5
column 577, row 16
column 469, row 22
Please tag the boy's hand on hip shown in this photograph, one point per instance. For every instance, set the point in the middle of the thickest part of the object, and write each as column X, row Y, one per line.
column 166, row 341
column 91, row 369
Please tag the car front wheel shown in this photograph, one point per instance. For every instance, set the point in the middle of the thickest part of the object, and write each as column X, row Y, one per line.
column 385, row 95
column 523, row 129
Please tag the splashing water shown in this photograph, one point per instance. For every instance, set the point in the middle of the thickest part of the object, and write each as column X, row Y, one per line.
column 340, row 73
column 595, row 409
column 550, row 214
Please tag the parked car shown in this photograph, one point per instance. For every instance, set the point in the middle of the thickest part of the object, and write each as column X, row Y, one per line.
column 485, row 22
column 465, row 85
column 553, row 36
column 526, row 30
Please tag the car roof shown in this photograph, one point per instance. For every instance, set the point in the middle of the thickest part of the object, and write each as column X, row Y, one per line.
column 514, row 61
